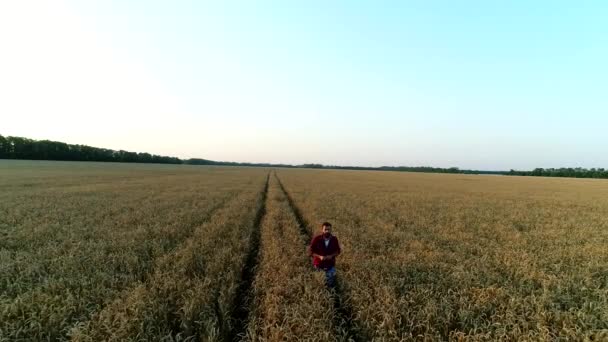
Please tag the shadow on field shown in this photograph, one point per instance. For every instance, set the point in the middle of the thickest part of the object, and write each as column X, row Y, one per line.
column 344, row 318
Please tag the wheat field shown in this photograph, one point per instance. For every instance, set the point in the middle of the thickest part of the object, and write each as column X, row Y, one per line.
column 136, row 252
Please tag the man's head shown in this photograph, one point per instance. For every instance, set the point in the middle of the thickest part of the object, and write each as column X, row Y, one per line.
column 326, row 229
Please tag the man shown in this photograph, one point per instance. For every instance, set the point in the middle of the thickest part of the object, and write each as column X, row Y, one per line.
column 324, row 249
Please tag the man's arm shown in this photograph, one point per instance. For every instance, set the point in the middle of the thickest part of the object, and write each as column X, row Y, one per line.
column 331, row 256
column 336, row 253
column 312, row 250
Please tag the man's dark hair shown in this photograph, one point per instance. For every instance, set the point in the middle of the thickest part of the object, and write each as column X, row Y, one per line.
column 326, row 224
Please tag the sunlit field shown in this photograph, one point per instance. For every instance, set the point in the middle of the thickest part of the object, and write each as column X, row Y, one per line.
column 104, row 251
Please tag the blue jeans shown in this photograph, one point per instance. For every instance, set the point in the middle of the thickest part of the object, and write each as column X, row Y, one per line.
column 330, row 276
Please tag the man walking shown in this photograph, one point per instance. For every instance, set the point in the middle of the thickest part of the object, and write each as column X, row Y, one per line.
column 324, row 249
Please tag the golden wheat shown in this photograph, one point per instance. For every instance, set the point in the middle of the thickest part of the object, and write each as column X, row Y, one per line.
column 68, row 248
column 458, row 257
column 290, row 301
column 94, row 251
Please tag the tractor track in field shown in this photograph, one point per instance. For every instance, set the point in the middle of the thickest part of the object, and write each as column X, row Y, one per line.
column 241, row 305
column 302, row 223
column 343, row 317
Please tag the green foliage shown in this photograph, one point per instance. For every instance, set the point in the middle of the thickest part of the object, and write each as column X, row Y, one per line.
column 577, row 172
column 4, row 146
column 23, row 148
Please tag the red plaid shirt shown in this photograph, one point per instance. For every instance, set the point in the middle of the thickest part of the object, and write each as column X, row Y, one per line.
column 317, row 246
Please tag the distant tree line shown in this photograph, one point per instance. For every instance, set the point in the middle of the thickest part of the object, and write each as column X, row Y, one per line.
column 198, row 161
column 427, row 169
column 577, row 172
column 24, row 148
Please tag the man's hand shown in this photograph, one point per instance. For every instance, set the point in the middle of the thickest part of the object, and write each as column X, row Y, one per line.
column 325, row 257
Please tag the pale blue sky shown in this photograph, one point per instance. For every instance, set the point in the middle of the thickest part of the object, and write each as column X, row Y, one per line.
column 473, row 84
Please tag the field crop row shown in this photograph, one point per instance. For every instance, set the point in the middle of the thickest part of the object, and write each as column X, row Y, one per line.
column 290, row 301
column 111, row 252
column 465, row 257
column 192, row 291
column 69, row 249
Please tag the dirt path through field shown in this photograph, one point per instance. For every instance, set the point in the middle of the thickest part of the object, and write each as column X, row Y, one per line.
column 343, row 312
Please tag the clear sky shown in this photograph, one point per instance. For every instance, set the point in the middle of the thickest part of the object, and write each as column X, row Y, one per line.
column 473, row 84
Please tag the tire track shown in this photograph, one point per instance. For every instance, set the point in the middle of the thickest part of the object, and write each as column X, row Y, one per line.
column 344, row 318
column 241, row 304
column 302, row 223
